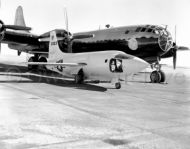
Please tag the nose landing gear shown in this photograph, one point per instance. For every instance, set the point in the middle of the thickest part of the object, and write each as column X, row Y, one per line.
column 157, row 76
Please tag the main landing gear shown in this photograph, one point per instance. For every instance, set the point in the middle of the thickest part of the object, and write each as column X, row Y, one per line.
column 36, row 58
column 79, row 77
column 157, row 76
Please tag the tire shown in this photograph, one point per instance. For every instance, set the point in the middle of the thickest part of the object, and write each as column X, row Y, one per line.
column 42, row 67
column 32, row 67
column 118, row 85
column 163, row 76
column 155, row 77
column 79, row 78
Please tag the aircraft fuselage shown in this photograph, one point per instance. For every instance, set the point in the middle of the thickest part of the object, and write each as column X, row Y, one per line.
column 144, row 41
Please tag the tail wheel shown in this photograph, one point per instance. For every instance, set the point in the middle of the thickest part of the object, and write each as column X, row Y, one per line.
column 79, row 78
column 155, row 77
column 32, row 67
column 118, row 85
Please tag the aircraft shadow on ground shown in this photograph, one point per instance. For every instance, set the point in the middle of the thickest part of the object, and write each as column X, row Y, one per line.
column 22, row 75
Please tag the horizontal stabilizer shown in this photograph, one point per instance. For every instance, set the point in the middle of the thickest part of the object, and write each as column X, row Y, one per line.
column 17, row 27
column 47, row 39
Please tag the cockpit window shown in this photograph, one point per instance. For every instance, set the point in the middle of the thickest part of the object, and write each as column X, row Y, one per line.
column 138, row 29
column 149, row 30
column 116, row 65
column 156, row 32
column 143, row 29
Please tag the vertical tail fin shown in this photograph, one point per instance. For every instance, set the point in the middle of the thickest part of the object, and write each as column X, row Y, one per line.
column 54, row 50
column 19, row 17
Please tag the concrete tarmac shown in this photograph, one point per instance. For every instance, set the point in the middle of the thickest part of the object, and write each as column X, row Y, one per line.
column 38, row 111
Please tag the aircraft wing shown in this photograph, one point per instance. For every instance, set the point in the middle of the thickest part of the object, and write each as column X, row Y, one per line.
column 57, row 64
column 28, row 42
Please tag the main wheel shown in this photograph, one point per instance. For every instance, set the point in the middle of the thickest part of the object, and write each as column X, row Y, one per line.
column 155, row 77
column 42, row 67
column 32, row 67
column 79, row 78
column 118, row 85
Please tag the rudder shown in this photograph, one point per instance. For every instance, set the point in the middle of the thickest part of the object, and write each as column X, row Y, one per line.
column 19, row 17
column 54, row 50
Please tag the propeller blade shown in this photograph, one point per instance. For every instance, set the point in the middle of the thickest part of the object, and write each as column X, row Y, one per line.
column 67, row 30
column 17, row 27
column 174, row 57
column 66, row 20
column 182, row 48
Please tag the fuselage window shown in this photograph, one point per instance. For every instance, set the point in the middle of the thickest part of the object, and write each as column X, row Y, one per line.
column 153, row 26
column 116, row 65
column 127, row 32
column 143, row 29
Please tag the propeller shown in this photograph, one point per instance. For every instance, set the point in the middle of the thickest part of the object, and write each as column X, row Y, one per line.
column 175, row 48
column 71, row 37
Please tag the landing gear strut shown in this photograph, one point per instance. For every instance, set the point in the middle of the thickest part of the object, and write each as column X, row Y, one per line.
column 36, row 58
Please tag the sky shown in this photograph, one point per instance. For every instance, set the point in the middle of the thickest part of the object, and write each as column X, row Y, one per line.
column 85, row 15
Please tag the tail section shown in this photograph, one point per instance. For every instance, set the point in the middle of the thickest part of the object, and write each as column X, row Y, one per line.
column 19, row 17
column 54, row 50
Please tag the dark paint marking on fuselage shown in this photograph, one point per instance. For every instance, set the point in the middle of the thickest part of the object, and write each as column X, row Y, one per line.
column 144, row 50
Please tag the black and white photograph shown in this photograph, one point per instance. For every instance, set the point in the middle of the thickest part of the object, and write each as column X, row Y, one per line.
column 94, row 74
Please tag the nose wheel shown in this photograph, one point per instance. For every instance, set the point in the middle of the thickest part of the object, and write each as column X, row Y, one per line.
column 118, row 85
column 157, row 76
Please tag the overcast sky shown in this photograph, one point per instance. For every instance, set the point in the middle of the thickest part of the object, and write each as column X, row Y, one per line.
column 85, row 15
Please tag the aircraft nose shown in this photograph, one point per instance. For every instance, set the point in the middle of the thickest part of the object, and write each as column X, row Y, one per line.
column 135, row 65
column 165, row 40
column 140, row 63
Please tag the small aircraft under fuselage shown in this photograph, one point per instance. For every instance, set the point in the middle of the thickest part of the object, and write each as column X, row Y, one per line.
column 111, row 66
